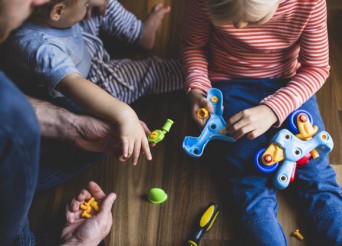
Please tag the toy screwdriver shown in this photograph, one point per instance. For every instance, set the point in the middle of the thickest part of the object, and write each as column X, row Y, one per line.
column 205, row 224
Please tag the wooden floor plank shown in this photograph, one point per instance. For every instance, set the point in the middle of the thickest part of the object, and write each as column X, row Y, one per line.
column 190, row 183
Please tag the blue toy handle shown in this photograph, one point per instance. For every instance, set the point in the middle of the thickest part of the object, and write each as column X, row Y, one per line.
column 194, row 146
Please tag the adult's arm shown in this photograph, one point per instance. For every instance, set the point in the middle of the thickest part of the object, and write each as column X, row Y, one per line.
column 83, row 131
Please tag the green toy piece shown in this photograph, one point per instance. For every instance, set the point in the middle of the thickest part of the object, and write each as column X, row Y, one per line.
column 156, row 196
column 157, row 135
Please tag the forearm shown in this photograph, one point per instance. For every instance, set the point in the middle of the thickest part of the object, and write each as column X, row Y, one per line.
column 94, row 100
column 194, row 48
column 55, row 122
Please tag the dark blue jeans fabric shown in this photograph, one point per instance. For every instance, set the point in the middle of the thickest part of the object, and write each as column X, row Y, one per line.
column 28, row 164
column 60, row 162
column 19, row 163
column 253, row 193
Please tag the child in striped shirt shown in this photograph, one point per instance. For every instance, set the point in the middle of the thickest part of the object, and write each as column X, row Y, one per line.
column 268, row 57
column 60, row 51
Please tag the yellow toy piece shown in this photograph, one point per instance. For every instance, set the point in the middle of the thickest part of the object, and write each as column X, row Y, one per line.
column 202, row 113
column 87, row 207
column 214, row 99
column 272, row 155
column 298, row 235
column 306, row 131
column 86, row 215
column 95, row 206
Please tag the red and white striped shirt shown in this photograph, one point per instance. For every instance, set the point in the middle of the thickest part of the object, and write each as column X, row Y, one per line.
column 293, row 44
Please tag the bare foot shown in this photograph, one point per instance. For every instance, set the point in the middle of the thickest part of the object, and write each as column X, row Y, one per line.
column 151, row 25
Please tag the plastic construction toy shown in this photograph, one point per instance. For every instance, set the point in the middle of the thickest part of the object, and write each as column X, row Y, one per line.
column 215, row 128
column 298, row 235
column 205, row 224
column 158, row 135
column 291, row 149
column 88, row 206
column 156, row 196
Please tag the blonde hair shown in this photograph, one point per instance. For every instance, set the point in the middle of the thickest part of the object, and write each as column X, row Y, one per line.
column 234, row 10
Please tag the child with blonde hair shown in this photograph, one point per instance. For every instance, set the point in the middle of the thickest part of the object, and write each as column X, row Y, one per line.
column 60, row 52
column 268, row 57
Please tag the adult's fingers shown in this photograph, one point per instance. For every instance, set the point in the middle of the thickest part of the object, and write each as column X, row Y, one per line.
column 96, row 191
column 106, row 207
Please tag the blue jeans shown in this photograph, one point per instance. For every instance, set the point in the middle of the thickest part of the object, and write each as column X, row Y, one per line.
column 24, row 168
column 19, row 163
column 253, row 193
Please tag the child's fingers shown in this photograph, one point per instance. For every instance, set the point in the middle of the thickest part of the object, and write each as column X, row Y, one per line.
column 207, row 105
column 130, row 149
column 146, row 149
column 125, row 148
column 144, row 126
column 136, row 152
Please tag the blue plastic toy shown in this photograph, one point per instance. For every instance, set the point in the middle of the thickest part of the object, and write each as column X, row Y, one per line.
column 213, row 130
column 292, row 150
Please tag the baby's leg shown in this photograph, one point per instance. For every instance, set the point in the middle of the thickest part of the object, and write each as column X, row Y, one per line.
column 151, row 25
column 129, row 80
column 117, row 22
column 321, row 196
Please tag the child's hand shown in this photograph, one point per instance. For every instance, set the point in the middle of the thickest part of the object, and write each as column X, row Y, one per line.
column 133, row 135
column 99, row 5
column 198, row 100
column 253, row 122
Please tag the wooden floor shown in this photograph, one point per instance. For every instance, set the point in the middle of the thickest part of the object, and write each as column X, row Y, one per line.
column 190, row 184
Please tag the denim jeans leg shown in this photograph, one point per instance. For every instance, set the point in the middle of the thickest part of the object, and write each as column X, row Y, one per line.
column 253, row 193
column 318, row 191
column 19, row 163
column 254, row 196
column 60, row 162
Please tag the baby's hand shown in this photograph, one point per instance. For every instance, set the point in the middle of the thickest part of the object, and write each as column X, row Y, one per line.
column 198, row 100
column 133, row 135
column 99, row 5
column 253, row 122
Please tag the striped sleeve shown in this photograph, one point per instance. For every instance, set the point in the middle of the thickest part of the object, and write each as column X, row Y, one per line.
column 120, row 23
column 314, row 70
column 194, row 51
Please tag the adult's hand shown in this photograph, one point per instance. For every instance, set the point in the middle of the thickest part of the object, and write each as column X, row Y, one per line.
column 83, row 131
column 88, row 232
